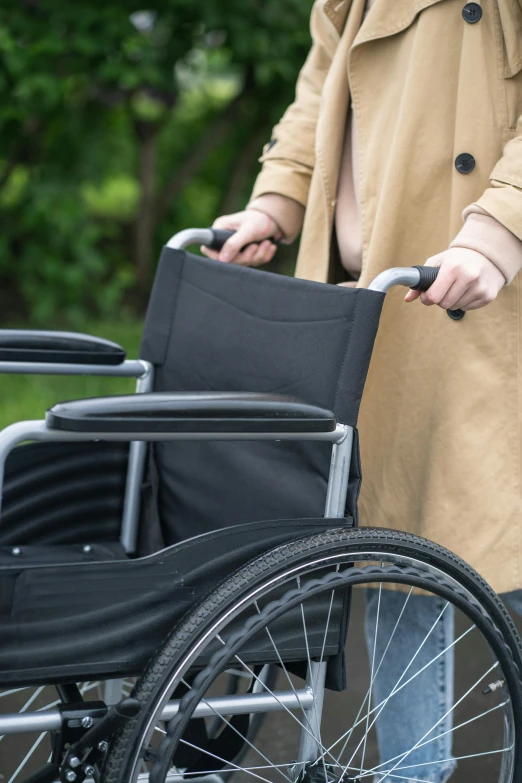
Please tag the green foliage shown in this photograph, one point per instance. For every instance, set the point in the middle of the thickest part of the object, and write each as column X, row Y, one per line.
column 119, row 126
column 25, row 397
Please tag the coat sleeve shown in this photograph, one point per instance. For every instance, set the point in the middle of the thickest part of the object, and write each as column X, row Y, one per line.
column 289, row 157
column 503, row 199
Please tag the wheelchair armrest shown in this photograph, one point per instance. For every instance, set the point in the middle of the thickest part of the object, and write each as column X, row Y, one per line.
column 25, row 345
column 190, row 412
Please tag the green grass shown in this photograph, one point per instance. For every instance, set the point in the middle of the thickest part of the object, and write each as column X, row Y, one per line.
column 28, row 396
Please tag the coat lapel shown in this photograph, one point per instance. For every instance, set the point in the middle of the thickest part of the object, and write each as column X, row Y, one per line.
column 387, row 17
column 337, row 12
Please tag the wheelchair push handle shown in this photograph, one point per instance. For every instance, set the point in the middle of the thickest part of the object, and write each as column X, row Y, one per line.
column 220, row 236
column 428, row 275
column 418, row 278
column 213, row 238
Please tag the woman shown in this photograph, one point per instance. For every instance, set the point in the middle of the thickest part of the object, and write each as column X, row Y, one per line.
column 404, row 146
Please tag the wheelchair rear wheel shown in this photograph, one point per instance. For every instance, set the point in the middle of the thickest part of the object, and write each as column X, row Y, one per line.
column 285, row 608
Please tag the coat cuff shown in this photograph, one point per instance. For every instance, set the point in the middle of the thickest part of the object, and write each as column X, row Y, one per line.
column 287, row 213
column 486, row 235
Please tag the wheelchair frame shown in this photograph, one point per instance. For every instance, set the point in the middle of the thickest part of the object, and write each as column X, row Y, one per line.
column 310, row 697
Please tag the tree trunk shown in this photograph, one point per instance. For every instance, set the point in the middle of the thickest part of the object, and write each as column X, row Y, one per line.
column 216, row 133
column 233, row 198
column 146, row 218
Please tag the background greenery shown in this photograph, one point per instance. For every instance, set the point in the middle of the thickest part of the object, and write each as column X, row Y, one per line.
column 118, row 127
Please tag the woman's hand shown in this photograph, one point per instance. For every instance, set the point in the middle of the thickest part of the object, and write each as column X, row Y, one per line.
column 467, row 281
column 250, row 226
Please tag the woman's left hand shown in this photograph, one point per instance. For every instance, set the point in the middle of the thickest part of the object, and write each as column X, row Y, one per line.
column 467, row 281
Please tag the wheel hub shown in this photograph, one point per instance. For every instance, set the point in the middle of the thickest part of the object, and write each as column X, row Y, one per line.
column 315, row 773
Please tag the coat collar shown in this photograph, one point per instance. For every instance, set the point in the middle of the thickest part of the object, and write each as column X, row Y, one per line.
column 385, row 18
column 337, row 12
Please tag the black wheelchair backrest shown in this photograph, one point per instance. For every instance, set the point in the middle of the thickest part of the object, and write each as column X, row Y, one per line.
column 212, row 327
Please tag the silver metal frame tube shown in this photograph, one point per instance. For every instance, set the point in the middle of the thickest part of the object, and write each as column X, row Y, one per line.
column 335, row 506
column 246, row 704
column 400, row 275
column 191, row 236
column 128, row 369
column 339, row 475
column 310, row 740
column 27, row 722
column 134, row 480
column 51, row 720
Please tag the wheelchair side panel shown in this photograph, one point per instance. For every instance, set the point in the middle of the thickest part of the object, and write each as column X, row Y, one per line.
column 105, row 619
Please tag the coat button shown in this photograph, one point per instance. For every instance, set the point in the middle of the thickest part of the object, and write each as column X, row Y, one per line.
column 472, row 13
column 456, row 315
column 465, row 163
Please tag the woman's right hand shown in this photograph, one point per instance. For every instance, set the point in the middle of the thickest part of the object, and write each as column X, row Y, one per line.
column 250, row 226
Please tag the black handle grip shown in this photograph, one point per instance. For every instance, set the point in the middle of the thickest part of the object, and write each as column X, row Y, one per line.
column 223, row 235
column 428, row 275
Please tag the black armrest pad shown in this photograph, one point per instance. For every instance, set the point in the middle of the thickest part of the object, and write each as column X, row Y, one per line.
column 190, row 412
column 25, row 345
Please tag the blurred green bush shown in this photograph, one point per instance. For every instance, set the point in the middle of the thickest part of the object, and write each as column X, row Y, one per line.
column 119, row 126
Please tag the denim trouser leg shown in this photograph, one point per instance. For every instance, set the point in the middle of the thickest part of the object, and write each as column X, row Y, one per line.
column 513, row 600
column 421, row 705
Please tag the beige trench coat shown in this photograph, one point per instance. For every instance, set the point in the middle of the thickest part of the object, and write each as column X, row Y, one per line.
column 441, row 414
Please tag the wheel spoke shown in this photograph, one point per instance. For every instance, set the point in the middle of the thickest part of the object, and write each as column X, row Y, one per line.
column 228, row 763
column 247, row 741
column 243, row 769
column 404, row 684
column 10, row 693
column 33, row 697
column 388, row 773
column 445, row 733
column 394, row 690
column 316, row 717
column 283, row 706
column 27, row 757
column 448, row 712
column 372, row 675
column 328, row 619
column 265, row 686
column 369, row 691
column 283, row 667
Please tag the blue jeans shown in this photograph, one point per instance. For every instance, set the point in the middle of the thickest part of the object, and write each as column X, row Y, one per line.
column 418, row 712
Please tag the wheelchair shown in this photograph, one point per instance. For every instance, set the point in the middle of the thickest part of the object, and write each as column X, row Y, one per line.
column 178, row 566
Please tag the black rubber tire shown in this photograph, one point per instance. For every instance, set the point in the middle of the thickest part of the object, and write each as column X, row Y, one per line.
column 151, row 684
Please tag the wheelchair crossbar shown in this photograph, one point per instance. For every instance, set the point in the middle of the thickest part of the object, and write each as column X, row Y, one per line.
column 250, row 702
column 51, row 720
column 128, row 369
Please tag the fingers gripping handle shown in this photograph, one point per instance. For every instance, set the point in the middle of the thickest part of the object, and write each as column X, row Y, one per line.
column 428, row 275
column 220, row 236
